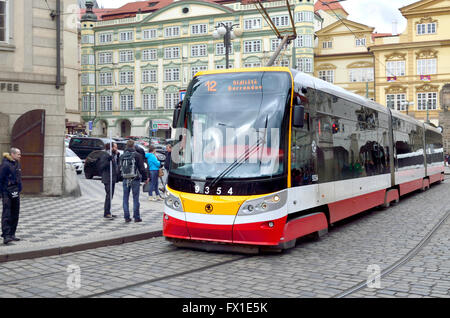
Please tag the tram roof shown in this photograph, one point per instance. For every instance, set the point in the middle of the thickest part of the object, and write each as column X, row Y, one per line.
column 316, row 83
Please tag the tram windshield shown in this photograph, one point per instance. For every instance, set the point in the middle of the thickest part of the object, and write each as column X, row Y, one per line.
column 231, row 126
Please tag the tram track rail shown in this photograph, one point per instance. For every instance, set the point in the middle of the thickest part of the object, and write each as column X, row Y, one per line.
column 402, row 261
column 96, row 266
column 150, row 281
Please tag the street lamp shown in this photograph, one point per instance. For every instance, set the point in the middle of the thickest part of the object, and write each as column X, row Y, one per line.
column 228, row 34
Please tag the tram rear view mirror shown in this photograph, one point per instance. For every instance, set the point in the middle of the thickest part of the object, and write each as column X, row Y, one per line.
column 176, row 114
column 298, row 116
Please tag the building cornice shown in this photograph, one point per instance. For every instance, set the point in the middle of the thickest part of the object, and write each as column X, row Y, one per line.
column 409, row 45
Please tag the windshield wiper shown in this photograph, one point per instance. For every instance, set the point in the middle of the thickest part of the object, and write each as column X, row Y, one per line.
column 239, row 161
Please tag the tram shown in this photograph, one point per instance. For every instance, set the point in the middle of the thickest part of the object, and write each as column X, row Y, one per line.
column 268, row 155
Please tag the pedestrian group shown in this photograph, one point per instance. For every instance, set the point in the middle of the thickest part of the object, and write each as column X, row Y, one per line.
column 130, row 168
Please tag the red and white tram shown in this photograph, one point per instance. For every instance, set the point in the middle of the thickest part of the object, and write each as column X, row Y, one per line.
column 268, row 155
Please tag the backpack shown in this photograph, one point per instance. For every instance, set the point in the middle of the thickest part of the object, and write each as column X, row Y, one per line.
column 128, row 165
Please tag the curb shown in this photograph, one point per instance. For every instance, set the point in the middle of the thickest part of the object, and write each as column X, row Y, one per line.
column 76, row 247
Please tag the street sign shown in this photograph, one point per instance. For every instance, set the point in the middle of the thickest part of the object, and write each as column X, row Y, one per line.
column 182, row 93
column 90, row 125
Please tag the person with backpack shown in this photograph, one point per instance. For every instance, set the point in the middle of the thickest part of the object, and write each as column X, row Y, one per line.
column 109, row 177
column 132, row 169
column 153, row 166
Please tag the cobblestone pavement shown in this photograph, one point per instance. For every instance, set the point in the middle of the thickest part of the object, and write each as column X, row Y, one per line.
column 49, row 221
column 154, row 268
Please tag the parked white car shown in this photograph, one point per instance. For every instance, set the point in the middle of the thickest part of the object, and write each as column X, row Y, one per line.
column 74, row 160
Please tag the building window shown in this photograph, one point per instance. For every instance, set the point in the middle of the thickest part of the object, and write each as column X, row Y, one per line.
column 105, row 58
column 126, row 56
column 106, row 103
column 227, row 23
column 281, row 21
column 395, row 68
column 126, row 77
column 283, row 62
column 220, row 49
column 149, row 55
column 196, row 69
column 361, row 42
column 252, row 46
column 150, row 34
column 305, row 16
column 106, row 78
column 252, row 24
column 327, row 44
column 105, row 38
column 126, row 36
column 198, row 50
column 274, row 43
column 361, row 75
column 171, row 99
column 199, row 29
column 252, row 64
column 148, row 76
column 88, row 104
column 426, row 101
column 172, row 31
column 4, row 21
column 426, row 66
column 172, row 52
column 87, row 59
column 222, row 66
column 327, row 75
column 396, row 101
column 426, row 28
column 126, row 102
column 85, row 39
column 304, row 41
column 88, row 79
column 171, row 74
column 305, row 64
column 149, row 101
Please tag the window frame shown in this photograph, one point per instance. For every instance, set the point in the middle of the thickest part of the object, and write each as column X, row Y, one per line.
column 149, row 101
column 424, row 97
column 6, row 29
column 106, row 103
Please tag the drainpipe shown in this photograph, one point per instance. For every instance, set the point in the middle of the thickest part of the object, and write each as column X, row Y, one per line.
column 57, row 15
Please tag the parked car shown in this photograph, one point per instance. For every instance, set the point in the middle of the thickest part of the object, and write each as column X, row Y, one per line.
column 83, row 146
column 72, row 159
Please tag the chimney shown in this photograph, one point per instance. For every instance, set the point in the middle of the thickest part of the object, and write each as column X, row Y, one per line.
column 394, row 27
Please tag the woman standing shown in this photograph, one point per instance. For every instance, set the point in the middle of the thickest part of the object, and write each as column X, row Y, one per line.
column 153, row 166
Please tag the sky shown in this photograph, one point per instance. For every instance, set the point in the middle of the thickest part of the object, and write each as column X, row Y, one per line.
column 375, row 13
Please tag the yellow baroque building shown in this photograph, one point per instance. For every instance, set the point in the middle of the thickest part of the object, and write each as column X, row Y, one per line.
column 409, row 72
column 341, row 56
column 412, row 68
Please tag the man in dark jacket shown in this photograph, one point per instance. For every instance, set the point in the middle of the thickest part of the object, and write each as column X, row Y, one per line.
column 132, row 179
column 105, row 161
column 10, row 188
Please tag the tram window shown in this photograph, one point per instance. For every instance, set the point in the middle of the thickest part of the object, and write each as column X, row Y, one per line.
column 434, row 147
column 303, row 147
column 409, row 146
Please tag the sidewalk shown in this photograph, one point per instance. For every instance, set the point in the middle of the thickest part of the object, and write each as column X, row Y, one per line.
column 52, row 226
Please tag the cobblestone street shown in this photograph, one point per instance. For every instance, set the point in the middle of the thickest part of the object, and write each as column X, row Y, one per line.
column 325, row 268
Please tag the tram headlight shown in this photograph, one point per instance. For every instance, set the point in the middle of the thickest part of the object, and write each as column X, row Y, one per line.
column 264, row 204
column 172, row 201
